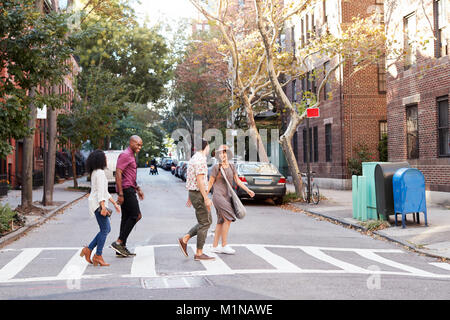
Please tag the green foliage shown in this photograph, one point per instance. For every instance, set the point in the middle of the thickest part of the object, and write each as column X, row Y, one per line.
column 144, row 122
column 362, row 155
column 125, row 66
column 374, row 225
column 383, row 148
column 6, row 216
column 34, row 49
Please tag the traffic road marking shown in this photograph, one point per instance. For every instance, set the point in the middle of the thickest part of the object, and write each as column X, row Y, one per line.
column 373, row 256
column 441, row 265
column 144, row 262
column 319, row 254
column 143, row 265
column 214, row 267
column 279, row 263
column 75, row 268
column 18, row 263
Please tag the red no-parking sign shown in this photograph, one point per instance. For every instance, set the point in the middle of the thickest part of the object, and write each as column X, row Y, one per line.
column 312, row 113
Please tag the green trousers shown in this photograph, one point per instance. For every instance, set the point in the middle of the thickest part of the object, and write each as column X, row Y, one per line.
column 203, row 217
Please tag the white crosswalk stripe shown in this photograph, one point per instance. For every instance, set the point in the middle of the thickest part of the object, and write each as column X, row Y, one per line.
column 144, row 264
column 442, row 265
column 279, row 263
column 18, row 263
column 74, row 269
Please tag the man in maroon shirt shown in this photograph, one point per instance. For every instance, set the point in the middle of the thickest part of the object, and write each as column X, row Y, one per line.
column 126, row 187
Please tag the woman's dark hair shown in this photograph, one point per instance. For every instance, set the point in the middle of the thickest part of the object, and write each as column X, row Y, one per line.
column 96, row 160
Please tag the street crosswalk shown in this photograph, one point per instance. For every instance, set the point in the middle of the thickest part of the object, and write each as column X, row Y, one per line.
column 149, row 262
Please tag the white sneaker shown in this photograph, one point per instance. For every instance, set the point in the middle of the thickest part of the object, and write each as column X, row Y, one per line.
column 216, row 249
column 228, row 250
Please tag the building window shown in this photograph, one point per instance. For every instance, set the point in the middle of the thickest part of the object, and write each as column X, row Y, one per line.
column 313, row 26
column 443, row 126
column 294, row 90
column 412, row 131
column 383, row 128
column 316, row 144
column 295, row 143
column 440, row 24
column 382, row 76
column 305, row 147
column 327, row 87
column 282, row 41
column 305, row 82
column 410, row 29
column 307, row 29
column 302, row 28
column 328, row 142
column 293, row 40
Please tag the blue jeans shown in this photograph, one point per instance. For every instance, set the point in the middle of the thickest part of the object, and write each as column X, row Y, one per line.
column 100, row 238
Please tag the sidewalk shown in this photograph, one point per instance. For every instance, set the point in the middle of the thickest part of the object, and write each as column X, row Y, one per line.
column 62, row 198
column 433, row 240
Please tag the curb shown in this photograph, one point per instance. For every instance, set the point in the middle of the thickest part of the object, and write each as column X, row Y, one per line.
column 13, row 236
column 377, row 233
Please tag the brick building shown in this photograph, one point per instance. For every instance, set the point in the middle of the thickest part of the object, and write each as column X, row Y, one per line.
column 355, row 110
column 12, row 165
column 418, row 88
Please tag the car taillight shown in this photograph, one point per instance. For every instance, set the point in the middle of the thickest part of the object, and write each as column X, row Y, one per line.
column 282, row 181
column 243, row 179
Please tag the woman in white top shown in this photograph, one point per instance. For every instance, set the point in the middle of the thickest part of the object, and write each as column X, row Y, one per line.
column 98, row 206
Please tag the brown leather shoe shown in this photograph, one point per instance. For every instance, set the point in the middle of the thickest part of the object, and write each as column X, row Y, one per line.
column 86, row 253
column 203, row 257
column 99, row 260
column 183, row 246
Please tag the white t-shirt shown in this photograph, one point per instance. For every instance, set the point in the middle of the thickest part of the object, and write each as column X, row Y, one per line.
column 99, row 190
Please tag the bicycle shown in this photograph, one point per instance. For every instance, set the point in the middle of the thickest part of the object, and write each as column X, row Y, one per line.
column 315, row 193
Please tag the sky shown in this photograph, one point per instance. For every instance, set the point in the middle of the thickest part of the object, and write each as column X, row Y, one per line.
column 158, row 10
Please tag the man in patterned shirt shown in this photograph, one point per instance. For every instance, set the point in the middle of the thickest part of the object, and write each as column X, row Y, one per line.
column 197, row 184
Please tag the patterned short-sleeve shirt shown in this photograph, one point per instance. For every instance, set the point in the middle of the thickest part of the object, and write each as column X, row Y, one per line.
column 196, row 166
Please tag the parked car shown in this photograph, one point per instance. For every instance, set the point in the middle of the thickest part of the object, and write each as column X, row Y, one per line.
column 263, row 179
column 183, row 170
column 167, row 165
column 178, row 169
column 173, row 167
column 163, row 162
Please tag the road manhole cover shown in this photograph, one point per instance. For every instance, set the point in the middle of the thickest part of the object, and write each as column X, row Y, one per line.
column 175, row 282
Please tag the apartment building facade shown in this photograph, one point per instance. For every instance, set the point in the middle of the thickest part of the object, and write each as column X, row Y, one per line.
column 11, row 166
column 418, row 87
column 354, row 112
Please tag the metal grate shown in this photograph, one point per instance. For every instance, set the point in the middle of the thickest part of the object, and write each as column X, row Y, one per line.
column 175, row 282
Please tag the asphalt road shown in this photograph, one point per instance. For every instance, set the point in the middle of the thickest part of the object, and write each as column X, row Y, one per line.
column 279, row 255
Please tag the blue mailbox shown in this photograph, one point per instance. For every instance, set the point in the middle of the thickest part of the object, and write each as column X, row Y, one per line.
column 408, row 185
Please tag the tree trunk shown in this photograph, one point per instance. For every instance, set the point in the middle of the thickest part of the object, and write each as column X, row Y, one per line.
column 74, row 169
column 252, row 125
column 295, row 119
column 27, row 161
column 51, row 156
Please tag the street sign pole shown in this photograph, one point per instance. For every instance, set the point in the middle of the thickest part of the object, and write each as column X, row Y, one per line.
column 308, row 165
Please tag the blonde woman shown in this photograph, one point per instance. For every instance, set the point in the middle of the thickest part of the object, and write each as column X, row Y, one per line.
column 222, row 197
